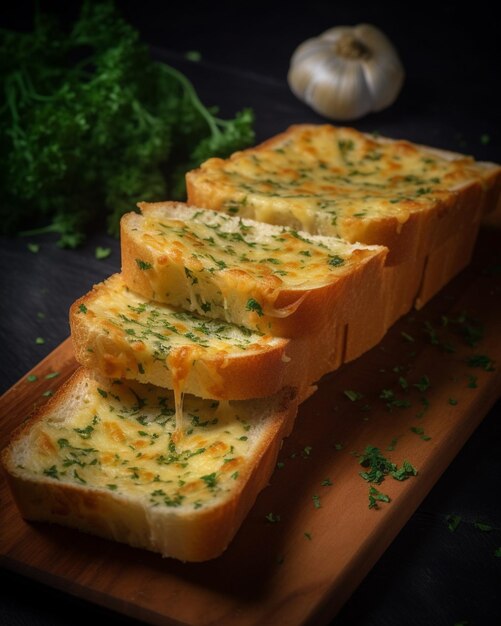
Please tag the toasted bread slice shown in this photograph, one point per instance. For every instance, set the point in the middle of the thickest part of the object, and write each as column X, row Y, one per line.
column 338, row 181
column 122, row 335
column 268, row 278
column 100, row 456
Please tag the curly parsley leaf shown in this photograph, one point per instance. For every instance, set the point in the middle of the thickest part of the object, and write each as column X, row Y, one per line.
column 90, row 124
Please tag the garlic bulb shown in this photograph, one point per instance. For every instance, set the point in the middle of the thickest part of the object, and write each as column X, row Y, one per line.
column 346, row 72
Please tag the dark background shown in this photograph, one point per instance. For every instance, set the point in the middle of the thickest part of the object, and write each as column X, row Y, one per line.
column 450, row 100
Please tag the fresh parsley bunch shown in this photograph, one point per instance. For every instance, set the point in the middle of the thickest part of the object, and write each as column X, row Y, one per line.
column 90, row 125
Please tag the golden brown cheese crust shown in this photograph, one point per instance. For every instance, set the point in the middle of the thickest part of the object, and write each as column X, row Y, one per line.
column 62, row 471
column 338, row 181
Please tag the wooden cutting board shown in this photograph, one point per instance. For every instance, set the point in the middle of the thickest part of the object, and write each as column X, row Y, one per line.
column 302, row 567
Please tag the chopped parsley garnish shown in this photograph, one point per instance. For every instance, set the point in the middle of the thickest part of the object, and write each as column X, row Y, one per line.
column 31, row 378
column 453, row 401
column 376, row 496
column 335, row 261
column 82, row 308
column 392, row 444
column 79, row 478
column 472, row 382
column 253, row 305
column 102, row 253
column 406, row 471
column 210, row 480
column 353, row 395
column 52, row 375
column 39, row 341
column 485, row 528
column 33, row 247
column 306, row 451
column 309, row 537
column 453, row 522
column 52, row 472
column 112, row 487
column 85, row 433
column 102, row 392
column 407, row 337
column 379, row 467
column 326, row 482
column 273, row 518
column 481, row 360
column 417, row 430
column 143, row 265
column 316, row 501
column 423, row 384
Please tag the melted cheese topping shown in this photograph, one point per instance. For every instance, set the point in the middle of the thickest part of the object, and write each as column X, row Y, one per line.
column 158, row 332
column 121, row 437
column 235, row 269
column 324, row 177
column 211, row 243
column 132, row 337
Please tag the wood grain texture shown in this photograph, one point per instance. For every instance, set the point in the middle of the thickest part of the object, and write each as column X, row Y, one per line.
column 274, row 572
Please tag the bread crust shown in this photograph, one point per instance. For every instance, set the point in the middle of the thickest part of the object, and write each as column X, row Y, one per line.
column 195, row 535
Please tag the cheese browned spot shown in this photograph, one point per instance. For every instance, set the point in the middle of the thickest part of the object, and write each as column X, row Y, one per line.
column 122, row 439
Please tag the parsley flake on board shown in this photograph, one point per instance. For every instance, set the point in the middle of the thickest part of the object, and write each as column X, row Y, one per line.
column 102, row 253
column 423, row 384
column 481, row 360
column 472, row 382
column 407, row 337
column 453, row 522
column 353, row 395
column 376, row 496
column 485, row 528
column 273, row 518
column 378, row 468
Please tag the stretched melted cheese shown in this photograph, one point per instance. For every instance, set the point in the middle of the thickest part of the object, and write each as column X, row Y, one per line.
column 326, row 179
column 119, row 437
column 123, row 335
column 230, row 268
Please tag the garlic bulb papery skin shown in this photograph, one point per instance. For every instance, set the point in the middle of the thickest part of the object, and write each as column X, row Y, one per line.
column 347, row 72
